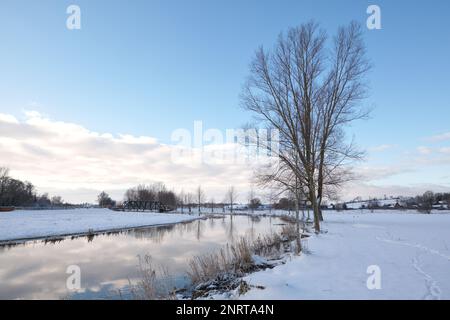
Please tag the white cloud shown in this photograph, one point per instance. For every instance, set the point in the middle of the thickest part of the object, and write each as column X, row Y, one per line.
column 372, row 173
column 439, row 137
column 424, row 150
column 32, row 114
column 34, row 104
column 382, row 147
column 8, row 118
column 63, row 156
column 445, row 150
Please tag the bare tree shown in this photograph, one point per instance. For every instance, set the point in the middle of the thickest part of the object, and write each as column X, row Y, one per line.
column 251, row 196
column 281, row 178
column 231, row 197
column 254, row 203
column 4, row 177
column 152, row 192
column 309, row 93
column 104, row 200
column 212, row 202
column 4, row 173
column 189, row 199
column 272, row 197
column 200, row 195
column 180, row 200
column 14, row 192
column 57, row 201
column 426, row 202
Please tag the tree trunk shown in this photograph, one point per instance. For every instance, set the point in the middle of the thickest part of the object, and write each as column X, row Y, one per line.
column 297, row 223
column 320, row 212
column 320, row 181
column 313, row 198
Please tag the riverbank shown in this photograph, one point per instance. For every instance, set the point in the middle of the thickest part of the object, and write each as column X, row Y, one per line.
column 220, row 273
column 23, row 225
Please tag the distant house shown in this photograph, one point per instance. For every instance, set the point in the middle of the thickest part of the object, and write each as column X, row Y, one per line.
column 440, row 205
column 340, row 206
column 398, row 205
column 236, row 207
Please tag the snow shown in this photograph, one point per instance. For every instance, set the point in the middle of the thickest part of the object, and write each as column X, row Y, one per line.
column 412, row 251
column 25, row 224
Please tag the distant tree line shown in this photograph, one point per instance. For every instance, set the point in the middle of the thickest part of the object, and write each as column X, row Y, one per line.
column 423, row 203
column 429, row 199
column 160, row 193
column 17, row 193
column 152, row 192
column 105, row 201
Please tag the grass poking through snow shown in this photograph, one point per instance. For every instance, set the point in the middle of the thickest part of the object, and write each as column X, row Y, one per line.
column 237, row 259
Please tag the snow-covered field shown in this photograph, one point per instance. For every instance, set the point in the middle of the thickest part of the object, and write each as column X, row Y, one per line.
column 24, row 224
column 411, row 250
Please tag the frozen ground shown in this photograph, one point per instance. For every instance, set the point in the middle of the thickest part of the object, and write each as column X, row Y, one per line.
column 23, row 224
column 412, row 251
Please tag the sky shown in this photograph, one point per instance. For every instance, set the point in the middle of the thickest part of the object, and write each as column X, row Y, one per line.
column 92, row 109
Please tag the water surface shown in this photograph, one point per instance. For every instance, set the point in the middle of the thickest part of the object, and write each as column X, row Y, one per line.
column 108, row 262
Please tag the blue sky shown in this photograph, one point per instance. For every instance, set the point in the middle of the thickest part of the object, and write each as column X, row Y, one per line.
column 150, row 67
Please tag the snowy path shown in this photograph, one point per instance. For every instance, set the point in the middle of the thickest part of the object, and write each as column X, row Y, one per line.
column 23, row 224
column 433, row 290
column 410, row 249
